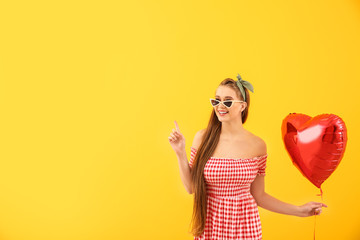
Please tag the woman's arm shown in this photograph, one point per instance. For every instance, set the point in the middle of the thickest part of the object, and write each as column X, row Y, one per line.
column 185, row 169
column 270, row 203
column 185, row 172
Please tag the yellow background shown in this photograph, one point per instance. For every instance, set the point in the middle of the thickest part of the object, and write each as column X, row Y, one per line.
column 90, row 91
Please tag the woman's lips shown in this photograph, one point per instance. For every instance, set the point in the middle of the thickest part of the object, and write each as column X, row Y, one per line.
column 223, row 114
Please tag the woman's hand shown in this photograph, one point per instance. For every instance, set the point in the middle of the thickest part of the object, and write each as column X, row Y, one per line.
column 310, row 209
column 177, row 140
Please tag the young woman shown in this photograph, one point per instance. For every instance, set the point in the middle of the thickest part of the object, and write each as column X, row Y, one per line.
column 227, row 169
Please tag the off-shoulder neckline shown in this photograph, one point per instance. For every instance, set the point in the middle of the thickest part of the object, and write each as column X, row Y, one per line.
column 256, row 157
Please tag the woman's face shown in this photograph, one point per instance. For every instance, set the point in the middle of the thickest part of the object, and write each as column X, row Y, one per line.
column 226, row 93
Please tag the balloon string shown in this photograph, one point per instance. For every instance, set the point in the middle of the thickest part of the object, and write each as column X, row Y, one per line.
column 314, row 226
column 321, row 194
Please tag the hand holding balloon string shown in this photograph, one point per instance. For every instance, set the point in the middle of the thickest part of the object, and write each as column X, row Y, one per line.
column 310, row 209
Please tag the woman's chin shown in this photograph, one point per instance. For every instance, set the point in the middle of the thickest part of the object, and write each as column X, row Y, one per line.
column 223, row 119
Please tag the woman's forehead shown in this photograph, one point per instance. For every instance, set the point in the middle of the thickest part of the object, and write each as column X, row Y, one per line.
column 225, row 92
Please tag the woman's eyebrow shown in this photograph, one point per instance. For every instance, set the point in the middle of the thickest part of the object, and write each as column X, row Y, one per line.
column 225, row 96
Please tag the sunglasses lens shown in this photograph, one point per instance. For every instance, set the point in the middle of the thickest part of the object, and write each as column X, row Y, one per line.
column 228, row 104
column 214, row 102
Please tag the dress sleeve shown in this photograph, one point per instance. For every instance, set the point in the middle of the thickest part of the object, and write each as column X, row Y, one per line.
column 262, row 165
column 192, row 156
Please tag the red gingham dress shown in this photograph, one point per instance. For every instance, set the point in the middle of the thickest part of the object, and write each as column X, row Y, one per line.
column 232, row 212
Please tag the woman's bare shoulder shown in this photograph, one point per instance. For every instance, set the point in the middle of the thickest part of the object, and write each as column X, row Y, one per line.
column 260, row 146
column 258, row 143
column 198, row 138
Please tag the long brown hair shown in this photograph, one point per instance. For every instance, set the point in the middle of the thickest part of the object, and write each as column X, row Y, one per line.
column 204, row 152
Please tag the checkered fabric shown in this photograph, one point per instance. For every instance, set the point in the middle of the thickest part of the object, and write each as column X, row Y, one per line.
column 232, row 212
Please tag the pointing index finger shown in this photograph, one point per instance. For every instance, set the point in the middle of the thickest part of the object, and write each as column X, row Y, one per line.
column 177, row 126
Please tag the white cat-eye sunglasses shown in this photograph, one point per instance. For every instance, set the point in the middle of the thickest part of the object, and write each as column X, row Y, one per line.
column 226, row 103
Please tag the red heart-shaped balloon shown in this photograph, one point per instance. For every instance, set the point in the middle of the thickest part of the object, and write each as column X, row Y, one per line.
column 316, row 145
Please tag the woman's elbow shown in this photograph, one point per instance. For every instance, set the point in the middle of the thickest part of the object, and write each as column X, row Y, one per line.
column 258, row 197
